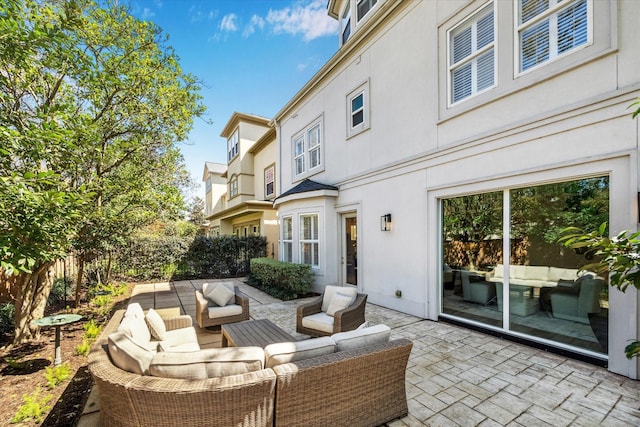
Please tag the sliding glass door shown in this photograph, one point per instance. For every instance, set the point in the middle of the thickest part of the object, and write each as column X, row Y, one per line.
column 538, row 285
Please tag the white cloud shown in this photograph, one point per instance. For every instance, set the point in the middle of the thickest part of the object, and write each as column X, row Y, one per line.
column 147, row 14
column 228, row 23
column 310, row 20
column 198, row 15
column 256, row 21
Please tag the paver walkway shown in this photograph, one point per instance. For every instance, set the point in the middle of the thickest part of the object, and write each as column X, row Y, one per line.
column 455, row 376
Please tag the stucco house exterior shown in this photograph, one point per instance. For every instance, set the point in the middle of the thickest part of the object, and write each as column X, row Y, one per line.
column 445, row 134
column 245, row 206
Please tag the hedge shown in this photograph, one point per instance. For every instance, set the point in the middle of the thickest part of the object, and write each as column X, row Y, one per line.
column 281, row 279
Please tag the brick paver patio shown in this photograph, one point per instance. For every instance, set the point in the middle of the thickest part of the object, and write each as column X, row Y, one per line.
column 455, row 376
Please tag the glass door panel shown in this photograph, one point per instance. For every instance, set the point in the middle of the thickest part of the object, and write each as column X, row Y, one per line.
column 547, row 297
column 471, row 247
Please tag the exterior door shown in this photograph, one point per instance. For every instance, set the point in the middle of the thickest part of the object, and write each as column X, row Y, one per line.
column 349, row 256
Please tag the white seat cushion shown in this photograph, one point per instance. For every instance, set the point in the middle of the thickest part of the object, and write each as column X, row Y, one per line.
column 331, row 290
column 319, row 321
column 136, row 328
column 285, row 352
column 227, row 310
column 127, row 355
column 361, row 337
column 181, row 340
column 134, row 310
column 220, row 294
column 208, row 363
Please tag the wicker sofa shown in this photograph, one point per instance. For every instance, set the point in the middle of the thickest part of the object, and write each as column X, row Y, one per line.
column 374, row 373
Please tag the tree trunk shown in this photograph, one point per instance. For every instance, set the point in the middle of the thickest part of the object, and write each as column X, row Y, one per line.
column 79, row 280
column 31, row 299
column 107, row 274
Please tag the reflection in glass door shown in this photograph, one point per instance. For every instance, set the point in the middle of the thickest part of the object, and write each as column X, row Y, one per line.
column 536, row 288
column 472, row 247
column 350, row 250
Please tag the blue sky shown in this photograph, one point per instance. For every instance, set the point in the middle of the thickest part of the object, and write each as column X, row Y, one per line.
column 252, row 56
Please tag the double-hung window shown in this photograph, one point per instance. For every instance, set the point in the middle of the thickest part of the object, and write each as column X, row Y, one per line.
column 309, row 241
column 233, row 187
column 472, row 55
column 269, row 181
column 287, row 239
column 307, row 150
column 550, row 28
column 358, row 110
column 232, row 145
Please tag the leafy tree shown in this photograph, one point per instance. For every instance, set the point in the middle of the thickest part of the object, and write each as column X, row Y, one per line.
column 92, row 102
column 196, row 211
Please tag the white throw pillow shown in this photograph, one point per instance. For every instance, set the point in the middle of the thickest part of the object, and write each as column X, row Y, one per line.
column 338, row 302
column 136, row 328
column 156, row 325
column 134, row 310
column 221, row 295
column 331, row 290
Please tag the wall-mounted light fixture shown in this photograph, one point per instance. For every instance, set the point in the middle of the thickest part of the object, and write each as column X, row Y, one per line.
column 385, row 222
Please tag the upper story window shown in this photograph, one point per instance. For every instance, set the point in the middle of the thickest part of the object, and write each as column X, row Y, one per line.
column 550, row 28
column 358, row 110
column 207, row 185
column 345, row 23
column 233, row 187
column 307, row 150
column 269, row 181
column 472, row 55
column 364, row 6
column 232, row 145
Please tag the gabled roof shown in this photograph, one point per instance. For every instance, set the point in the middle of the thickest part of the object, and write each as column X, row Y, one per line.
column 211, row 167
column 306, row 186
column 236, row 118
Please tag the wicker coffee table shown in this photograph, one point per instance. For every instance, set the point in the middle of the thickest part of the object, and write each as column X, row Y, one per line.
column 261, row 333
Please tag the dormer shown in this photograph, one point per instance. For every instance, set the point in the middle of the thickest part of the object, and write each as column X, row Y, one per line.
column 352, row 15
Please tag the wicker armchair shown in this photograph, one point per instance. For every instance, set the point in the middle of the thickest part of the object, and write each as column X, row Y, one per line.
column 347, row 319
column 202, row 310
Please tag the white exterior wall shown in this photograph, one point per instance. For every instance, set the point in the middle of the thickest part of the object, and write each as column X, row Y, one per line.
column 566, row 119
column 264, row 158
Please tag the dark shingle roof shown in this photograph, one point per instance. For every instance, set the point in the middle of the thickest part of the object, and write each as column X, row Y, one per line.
column 306, row 186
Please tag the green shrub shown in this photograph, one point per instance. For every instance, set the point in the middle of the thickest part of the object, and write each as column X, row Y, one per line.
column 7, row 311
column 58, row 289
column 57, row 374
column 83, row 348
column 91, row 329
column 34, row 408
column 281, row 279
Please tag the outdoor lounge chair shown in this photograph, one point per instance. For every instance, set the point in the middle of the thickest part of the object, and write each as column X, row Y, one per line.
column 318, row 318
column 208, row 313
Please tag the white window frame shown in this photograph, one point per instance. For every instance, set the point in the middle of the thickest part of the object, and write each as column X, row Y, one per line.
column 313, row 242
column 346, row 25
column 232, row 145
column 308, row 159
column 286, row 240
column 371, row 4
column 270, row 178
column 362, row 90
column 475, row 54
column 233, row 187
column 551, row 14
